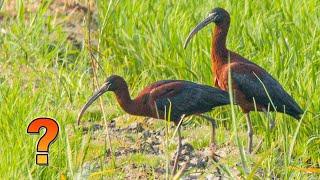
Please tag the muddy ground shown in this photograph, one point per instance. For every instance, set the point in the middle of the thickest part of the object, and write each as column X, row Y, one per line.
column 149, row 140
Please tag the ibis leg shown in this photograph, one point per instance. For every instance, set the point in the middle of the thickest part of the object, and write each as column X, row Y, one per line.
column 213, row 139
column 213, row 145
column 213, row 134
column 176, row 160
column 213, row 125
column 250, row 133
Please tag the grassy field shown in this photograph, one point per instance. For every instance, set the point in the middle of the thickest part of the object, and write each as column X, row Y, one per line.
column 46, row 55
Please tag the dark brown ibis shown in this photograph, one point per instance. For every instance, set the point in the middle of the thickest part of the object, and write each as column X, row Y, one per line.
column 253, row 87
column 183, row 97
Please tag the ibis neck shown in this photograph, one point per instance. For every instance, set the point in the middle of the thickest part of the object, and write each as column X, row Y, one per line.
column 125, row 101
column 219, row 52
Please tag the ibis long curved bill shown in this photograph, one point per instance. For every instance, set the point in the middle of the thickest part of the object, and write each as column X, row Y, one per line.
column 211, row 18
column 95, row 96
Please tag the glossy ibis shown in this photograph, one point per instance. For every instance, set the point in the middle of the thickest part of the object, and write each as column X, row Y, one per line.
column 253, row 87
column 183, row 97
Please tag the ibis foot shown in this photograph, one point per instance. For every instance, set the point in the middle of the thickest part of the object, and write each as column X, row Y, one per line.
column 215, row 157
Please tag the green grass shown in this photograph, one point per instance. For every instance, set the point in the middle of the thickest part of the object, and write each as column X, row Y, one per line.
column 42, row 73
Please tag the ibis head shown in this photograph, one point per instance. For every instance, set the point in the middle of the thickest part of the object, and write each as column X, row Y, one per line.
column 112, row 83
column 219, row 16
